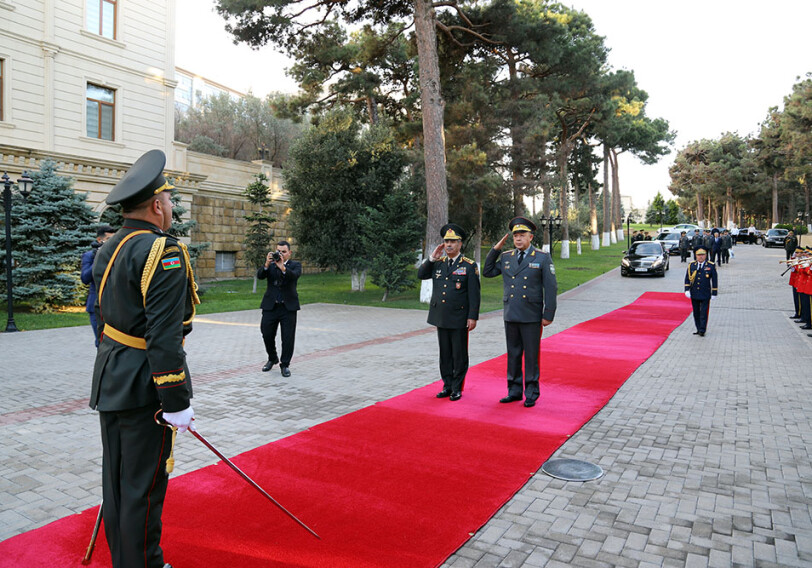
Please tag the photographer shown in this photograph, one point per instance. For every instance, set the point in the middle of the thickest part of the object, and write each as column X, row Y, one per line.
column 102, row 234
column 279, row 305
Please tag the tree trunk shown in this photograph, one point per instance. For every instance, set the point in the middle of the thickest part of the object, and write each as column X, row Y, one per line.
column 607, row 205
column 564, row 201
column 593, row 220
column 775, row 198
column 433, row 136
column 254, row 289
column 615, row 217
column 700, row 211
column 478, row 237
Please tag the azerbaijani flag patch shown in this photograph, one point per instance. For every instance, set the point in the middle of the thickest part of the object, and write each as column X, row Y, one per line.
column 170, row 263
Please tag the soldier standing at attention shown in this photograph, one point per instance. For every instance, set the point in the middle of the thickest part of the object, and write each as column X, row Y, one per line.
column 684, row 245
column 145, row 306
column 700, row 288
column 530, row 289
column 454, row 308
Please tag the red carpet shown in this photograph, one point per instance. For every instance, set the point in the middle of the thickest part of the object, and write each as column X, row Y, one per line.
column 400, row 483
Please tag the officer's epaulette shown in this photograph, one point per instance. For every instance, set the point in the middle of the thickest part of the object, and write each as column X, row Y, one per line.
column 709, row 262
column 468, row 260
column 443, row 258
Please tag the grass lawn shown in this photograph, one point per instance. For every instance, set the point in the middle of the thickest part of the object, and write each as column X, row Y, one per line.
column 334, row 288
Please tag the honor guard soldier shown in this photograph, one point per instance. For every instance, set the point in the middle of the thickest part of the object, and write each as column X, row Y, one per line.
column 529, row 297
column 454, row 308
column 145, row 306
column 700, row 287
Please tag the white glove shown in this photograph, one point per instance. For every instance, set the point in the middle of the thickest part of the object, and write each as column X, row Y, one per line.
column 688, row 294
column 181, row 420
column 713, row 298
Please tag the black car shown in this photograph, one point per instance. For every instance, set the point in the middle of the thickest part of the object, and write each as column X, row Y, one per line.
column 775, row 238
column 645, row 257
column 670, row 242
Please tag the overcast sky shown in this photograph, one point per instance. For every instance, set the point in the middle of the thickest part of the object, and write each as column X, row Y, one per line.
column 709, row 66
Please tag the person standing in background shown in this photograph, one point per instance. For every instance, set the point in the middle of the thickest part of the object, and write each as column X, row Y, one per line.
column 102, row 234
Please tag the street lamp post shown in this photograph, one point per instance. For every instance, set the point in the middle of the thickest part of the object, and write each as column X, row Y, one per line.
column 548, row 225
column 25, row 184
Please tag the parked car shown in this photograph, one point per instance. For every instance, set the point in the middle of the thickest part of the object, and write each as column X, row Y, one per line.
column 687, row 227
column 775, row 238
column 645, row 257
column 670, row 242
column 756, row 238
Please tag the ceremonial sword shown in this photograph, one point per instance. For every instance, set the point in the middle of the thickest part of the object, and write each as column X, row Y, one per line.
column 239, row 472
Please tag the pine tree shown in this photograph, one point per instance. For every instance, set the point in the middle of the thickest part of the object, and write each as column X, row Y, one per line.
column 392, row 233
column 50, row 231
column 259, row 234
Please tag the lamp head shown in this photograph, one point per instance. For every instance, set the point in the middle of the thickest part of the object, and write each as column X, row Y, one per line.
column 25, row 185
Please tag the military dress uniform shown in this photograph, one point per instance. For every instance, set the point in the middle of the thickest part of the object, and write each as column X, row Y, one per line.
column 145, row 305
column 455, row 298
column 529, row 296
column 701, row 283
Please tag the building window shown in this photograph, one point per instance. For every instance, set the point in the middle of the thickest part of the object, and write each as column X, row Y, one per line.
column 225, row 261
column 184, row 92
column 101, row 17
column 2, row 76
column 101, row 108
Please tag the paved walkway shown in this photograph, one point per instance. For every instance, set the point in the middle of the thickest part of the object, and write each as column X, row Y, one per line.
column 705, row 448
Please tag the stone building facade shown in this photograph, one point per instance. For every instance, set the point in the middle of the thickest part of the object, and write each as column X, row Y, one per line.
column 91, row 85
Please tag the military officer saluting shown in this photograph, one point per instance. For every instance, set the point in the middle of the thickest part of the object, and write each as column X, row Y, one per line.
column 145, row 306
column 700, row 287
column 454, row 307
column 530, row 289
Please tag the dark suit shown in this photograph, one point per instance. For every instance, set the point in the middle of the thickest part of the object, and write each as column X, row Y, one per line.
column 140, row 368
column 529, row 296
column 279, row 306
column 87, row 278
column 702, row 284
column 454, row 300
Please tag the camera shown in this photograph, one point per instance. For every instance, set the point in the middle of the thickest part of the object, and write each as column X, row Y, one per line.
column 276, row 256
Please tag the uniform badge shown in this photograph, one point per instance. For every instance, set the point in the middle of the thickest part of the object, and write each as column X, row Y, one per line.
column 170, row 263
column 552, row 268
column 534, row 265
column 460, row 271
column 458, row 285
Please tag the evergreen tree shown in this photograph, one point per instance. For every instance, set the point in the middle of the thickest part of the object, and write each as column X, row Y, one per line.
column 259, row 234
column 392, row 234
column 49, row 232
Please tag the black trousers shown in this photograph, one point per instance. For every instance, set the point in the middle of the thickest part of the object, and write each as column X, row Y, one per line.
column 725, row 256
column 134, row 480
column 795, row 301
column 271, row 320
column 683, row 254
column 716, row 256
column 806, row 307
column 453, row 357
column 523, row 339
column 701, row 309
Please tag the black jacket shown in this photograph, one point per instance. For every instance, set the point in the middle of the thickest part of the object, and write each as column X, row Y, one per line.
column 455, row 291
column 281, row 285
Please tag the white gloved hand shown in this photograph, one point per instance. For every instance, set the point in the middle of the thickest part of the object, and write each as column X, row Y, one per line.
column 688, row 294
column 713, row 298
column 182, row 420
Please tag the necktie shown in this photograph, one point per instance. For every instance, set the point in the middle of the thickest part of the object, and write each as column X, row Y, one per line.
column 521, row 257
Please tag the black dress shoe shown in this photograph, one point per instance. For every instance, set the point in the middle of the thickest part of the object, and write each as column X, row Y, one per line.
column 455, row 396
column 268, row 366
column 701, row 334
column 443, row 393
column 807, row 326
column 529, row 403
column 510, row 399
column 285, row 371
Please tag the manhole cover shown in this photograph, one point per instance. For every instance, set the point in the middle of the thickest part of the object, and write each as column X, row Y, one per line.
column 572, row 470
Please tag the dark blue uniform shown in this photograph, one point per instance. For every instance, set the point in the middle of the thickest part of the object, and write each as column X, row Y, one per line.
column 701, row 282
column 454, row 300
